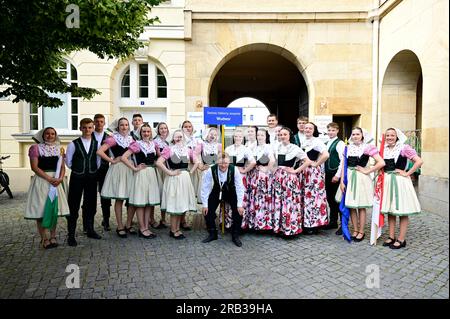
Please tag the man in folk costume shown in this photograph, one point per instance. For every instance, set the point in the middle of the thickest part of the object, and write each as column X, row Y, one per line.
column 333, row 173
column 100, row 135
column 82, row 159
column 222, row 183
column 137, row 122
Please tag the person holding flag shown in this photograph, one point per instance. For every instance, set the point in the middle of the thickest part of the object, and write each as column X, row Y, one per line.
column 359, row 188
column 399, row 196
column 47, row 198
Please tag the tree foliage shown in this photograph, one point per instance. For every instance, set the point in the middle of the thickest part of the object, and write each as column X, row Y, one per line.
column 36, row 34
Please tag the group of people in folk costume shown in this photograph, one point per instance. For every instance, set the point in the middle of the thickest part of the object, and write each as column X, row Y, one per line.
column 271, row 179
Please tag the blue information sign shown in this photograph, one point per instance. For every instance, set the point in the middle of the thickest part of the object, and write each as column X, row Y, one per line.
column 222, row 116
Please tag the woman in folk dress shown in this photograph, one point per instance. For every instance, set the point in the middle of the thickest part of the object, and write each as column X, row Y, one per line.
column 359, row 189
column 399, row 196
column 162, row 135
column 259, row 215
column 313, row 179
column 193, row 144
column 44, row 158
column 242, row 158
column 144, row 193
column 119, row 178
column 288, row 207
column 178, row 193
column 210, row 152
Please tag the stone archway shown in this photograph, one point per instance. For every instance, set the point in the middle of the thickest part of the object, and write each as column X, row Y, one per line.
column 401, row 93
column 265, row 72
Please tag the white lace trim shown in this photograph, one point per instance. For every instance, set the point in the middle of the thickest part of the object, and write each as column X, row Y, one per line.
column 179, row 150
column 48, row 150
column 210, row 148
column 123, row 141
column 147, row 147
column 394, row 152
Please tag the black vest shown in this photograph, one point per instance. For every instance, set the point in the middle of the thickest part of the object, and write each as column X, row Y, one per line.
column 391, row 164
column 82, row 162
column 48, row 163
column 118, row 150
column 228, row 188
column 241, row 162
column 103, row 164
column 282, row 161
column 354, row 161
column 263, row 160
column 333, row 162
column 181, row 163
column 148, row 159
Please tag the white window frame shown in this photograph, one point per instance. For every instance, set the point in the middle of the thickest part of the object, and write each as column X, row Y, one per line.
column 68, row 130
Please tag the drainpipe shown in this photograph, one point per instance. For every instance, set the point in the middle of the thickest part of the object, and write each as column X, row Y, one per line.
column 376, row 112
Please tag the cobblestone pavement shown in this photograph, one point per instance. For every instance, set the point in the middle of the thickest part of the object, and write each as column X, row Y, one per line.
column 321, row 266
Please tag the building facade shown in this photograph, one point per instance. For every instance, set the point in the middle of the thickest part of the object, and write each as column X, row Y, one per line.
column 372, row 63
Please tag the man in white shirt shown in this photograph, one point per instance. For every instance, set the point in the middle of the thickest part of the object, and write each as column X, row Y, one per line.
column 272, row 123
column 137, row 122
column 335, row 147
column 300, row 137
column 222, row 183
column 81, row 157
column 100, row 135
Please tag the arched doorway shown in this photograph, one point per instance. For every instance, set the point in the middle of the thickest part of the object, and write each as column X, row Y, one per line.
column 266, row 73
column 401, row 97
column 401, row 93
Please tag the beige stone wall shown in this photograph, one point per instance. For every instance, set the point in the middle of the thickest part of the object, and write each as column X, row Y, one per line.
column 422, row 27
column 334, row 58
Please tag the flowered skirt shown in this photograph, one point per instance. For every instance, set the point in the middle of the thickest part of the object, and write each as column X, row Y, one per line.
column 287, row 203
column 399, row 196
column 315, row 197
column 259, row 212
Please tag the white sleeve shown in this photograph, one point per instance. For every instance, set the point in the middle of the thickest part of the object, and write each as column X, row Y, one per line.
column 340, row 149
column 239, row 187
column 249, row 155
column 69, row 154
column 301, row 155
column 320, row 146
column 207, row 181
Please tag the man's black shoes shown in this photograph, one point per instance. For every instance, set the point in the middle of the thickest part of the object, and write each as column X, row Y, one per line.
column 236, row 241
column 93, row 234
column 71, row 241
column 212, row 236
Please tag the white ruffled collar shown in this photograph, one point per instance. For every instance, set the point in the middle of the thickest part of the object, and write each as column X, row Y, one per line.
column 146, row 147
column 123, row 141
column 48, row 150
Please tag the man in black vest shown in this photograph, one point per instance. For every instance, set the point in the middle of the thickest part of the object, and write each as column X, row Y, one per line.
column 222, row 183
column 333, row 173
column 81, row 158
column 100, row 135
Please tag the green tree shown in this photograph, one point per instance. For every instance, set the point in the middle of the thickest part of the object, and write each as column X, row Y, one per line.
column 35, row 34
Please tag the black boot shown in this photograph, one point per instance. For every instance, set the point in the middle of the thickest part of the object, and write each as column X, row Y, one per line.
column 105, row 224
column 236, row 240
column 71, row 241
column 212, row 236
column 90, row 230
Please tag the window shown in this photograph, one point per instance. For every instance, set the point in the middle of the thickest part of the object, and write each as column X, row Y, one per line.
column 161, row 84
column 143, row 80
column 64, row 117
column 34, row 117
column 143, row 84
column 125, row 86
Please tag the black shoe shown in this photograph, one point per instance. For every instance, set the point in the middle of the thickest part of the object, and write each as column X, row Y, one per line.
column 236, row 241
column 359, row 239
column 171, row 234
column 161, row 225
column 92, row 234
column 71, row 241
column 130, row 230
column 141, row 234
column 402, row 244
column 122, row 233
column 339, row 231
column 181, row 236
column 105, row 224
column 212, row 236
column 389, row 243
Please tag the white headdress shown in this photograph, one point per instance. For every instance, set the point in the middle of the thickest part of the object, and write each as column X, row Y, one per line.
column 114, row 126
column 401, row 136
column 39, row 137
column 208, row 130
